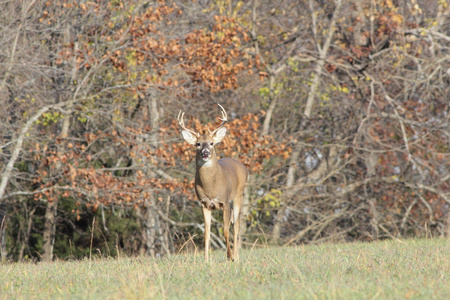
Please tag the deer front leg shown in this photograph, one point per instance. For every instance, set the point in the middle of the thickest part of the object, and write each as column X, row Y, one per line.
column 207, row 218
column 226, row 230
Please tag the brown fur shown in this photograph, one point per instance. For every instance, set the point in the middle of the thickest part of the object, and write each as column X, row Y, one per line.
column 219, row 184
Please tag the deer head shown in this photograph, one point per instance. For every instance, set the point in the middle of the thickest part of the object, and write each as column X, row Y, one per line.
column 204, row 143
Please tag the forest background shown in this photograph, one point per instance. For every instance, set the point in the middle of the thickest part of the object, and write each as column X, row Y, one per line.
column 340, row 110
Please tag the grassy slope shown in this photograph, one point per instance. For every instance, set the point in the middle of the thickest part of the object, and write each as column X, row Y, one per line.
column 392, row 269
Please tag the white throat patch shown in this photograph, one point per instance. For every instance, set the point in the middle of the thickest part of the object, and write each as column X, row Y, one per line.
column 203, row 163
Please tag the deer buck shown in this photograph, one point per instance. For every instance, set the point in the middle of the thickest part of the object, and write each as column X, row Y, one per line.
column 219, row 183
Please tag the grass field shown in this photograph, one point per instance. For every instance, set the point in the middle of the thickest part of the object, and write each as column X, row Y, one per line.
column 415, row 269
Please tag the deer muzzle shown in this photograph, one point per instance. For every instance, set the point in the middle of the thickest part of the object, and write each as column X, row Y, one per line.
column 205, row 154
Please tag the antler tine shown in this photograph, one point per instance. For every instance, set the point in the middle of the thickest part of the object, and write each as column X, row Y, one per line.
column 181, row 123
column 224, row 114
column 180, row 118
column 224, row 118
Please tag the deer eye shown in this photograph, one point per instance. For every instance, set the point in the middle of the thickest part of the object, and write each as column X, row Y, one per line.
column 198, row 144
column 211, row 143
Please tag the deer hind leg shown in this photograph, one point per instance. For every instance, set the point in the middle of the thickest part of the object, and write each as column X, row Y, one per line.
column 226, row 230
column 207, row 218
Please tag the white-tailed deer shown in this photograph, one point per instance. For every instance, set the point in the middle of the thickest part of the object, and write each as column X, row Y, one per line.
column 219, row 184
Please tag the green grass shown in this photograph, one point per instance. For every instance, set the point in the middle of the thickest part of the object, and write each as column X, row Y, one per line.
column 416, row 269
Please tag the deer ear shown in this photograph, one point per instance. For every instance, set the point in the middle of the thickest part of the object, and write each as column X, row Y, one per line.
column 189, row 137
column 219, row 135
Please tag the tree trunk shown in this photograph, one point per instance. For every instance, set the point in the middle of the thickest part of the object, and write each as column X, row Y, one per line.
column 245, row 210
column 52, row 207
column 26, row 237
column 447, row 225
column 155, row 237
column 49, row 230
column 149, row 228
column 3, row 214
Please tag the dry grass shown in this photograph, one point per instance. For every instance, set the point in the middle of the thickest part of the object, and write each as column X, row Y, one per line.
column 417, row 269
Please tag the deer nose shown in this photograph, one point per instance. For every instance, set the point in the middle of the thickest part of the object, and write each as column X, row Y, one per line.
column 205, row 153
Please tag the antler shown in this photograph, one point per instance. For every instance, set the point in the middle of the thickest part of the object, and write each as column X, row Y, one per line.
column 181, row 123
column 223, row 119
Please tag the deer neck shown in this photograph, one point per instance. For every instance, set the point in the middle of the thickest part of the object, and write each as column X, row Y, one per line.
column 207, row 171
